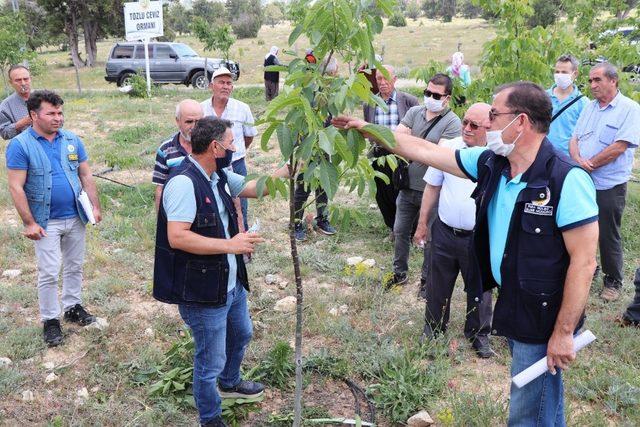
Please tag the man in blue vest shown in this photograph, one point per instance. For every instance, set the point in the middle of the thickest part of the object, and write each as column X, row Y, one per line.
column 535, row 239
column 47, row 169
column 199, row 264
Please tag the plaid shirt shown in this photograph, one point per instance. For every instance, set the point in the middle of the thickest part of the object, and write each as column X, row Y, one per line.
column 389, row 119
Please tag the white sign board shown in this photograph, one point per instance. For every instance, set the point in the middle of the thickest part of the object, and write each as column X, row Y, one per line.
column 143, row 20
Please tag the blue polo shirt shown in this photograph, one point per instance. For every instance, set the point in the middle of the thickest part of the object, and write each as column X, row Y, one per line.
column 179, row 203
column 598, row 127
column 577, row 204
column 63, row 201
column 561, row 129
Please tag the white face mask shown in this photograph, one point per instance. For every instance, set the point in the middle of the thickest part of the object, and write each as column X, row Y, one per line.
column 497, row 145
column 434, row 105
column 563, row 81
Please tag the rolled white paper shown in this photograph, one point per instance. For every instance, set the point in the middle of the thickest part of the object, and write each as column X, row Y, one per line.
column 540, row 367
column 87, row 207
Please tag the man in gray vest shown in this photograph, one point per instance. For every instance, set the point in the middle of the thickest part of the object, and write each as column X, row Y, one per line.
column 14, row 117
column 399, row 103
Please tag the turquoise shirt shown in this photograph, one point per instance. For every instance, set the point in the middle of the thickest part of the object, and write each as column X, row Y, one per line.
column 561, row 129
column 577, row 203
column 179, row 201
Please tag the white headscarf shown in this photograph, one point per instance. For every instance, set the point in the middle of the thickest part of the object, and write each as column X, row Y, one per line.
column 457, row 61
column 273, row 51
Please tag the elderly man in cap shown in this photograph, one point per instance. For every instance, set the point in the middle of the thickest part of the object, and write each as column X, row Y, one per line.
column 222, row 106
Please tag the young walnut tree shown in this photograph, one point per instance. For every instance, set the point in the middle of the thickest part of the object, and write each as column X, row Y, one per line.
column 330, row 159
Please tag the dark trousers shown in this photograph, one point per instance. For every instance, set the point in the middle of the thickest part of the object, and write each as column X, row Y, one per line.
column 407, row 213
column 450, row 256
column 300, row 196
column 271, row 89
column 633, row 311
column 611, row 205
column 386, row 194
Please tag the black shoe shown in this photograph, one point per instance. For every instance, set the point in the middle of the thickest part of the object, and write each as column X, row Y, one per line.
column 323, row 226
column 482, row 347
column 216, row 422
column 422, row 290
column 244, row 390
column 395, row 280
column 625, row 322
column 52, row 332
column 300, row 232
column 77, row 314
column 428, row 334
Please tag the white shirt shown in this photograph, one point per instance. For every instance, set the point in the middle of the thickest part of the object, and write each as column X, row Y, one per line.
column 456, row 207
column 240, row 114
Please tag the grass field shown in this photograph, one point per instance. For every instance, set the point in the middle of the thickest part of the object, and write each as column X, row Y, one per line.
column 353, row 330
column 406, row 48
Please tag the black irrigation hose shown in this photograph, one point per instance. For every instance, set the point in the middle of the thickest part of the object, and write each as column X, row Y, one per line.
column 355, row 390
column 114, row 181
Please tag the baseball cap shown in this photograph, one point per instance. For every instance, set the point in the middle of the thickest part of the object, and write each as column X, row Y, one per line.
column 222, row 71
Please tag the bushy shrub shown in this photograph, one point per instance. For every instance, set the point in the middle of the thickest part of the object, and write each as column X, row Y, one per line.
column 397, row 20
column 246, row 25
column 138, row 86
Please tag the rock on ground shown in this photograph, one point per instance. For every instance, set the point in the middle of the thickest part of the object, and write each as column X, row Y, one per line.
column 286, row 304
column 5, row 361
column 369, row 262
column 421, row 419
column 51, row 378
column 11, row 273
column 27, row 396
column 354, row 260
column 100, row 324
column 271, row 279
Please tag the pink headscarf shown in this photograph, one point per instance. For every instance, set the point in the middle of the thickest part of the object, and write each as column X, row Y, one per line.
column 457, row 60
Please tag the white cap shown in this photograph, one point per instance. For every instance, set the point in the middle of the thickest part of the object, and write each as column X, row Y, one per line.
column 222, row 71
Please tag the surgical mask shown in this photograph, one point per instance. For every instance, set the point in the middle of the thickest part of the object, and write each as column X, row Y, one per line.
column 434, row 105
column 497, row 145
column 224, row 162
column 563, row 81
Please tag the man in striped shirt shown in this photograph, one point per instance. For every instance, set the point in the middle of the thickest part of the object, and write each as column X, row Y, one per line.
column 173, row 150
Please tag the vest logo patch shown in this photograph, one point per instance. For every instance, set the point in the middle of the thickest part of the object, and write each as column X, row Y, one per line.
column 544, row 198
column 73, row 157
column 206, row 200
column 71, row 148
column 533, row 209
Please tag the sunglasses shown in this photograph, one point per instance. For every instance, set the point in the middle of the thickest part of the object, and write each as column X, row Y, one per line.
column 467, row 122
column 436, row 96
column 493, row 114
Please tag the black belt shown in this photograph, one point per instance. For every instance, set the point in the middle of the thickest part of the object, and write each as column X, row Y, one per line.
column 457, row 231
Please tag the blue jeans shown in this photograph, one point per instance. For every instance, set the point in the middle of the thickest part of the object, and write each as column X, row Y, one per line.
column 541, row 402
column 221, row 336
column 240, row 167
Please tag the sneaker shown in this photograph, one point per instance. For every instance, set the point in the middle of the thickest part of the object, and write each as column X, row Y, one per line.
column 77, row 314
column 300, row 233
column 52, row 332
column 395, row 280
column 244, row 390
column 482, row 347
column 610, row 294
column 323, row 226
column 216, row 422
column 625, row 322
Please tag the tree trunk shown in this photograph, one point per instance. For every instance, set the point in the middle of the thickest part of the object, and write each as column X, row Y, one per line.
column 90, row 27
column 297, row 420
column 71, row 28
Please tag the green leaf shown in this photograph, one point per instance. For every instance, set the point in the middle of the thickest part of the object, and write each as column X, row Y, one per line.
column 324, row 143
column 295, row 34
column 266, row 136
column 260, row 185
column 381, row 134
column 285, row 140
column 328, row 178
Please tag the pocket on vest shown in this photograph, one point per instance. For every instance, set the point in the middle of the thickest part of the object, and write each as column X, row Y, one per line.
column 204, row 283
column 33, row 185
column 537, row 308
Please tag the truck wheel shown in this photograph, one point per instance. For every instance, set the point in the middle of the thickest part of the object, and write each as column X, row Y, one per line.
column 199, row 81
column 125, row 79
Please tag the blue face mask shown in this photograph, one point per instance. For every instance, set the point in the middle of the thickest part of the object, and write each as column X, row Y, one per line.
column 224, row 162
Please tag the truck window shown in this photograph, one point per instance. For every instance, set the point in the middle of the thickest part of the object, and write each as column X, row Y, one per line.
column 122, row 52
column 140, row 51
column 163, row 52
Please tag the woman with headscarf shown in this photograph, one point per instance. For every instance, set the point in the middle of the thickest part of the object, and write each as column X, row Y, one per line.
column 459, row 69
column 271, row 78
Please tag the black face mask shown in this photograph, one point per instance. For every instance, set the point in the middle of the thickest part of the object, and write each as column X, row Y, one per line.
column 224, row 162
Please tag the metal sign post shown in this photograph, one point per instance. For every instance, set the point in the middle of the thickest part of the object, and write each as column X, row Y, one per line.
column 142, row 21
